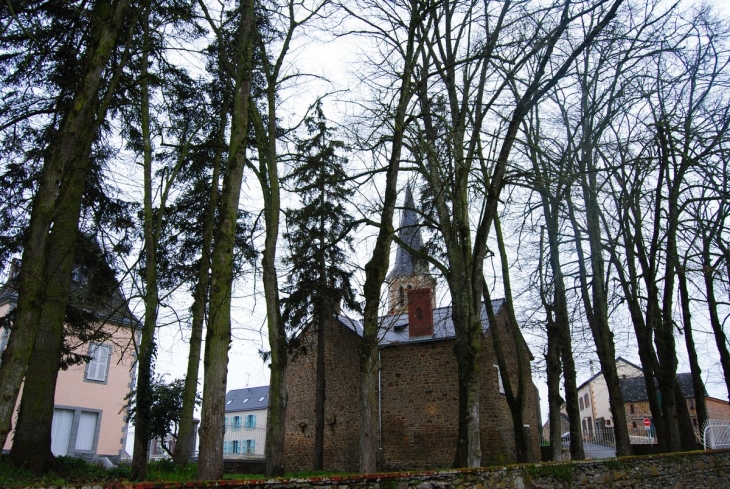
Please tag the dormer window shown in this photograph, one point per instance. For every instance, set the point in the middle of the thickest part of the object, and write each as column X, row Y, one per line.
column 246, row 400
column 260, row 400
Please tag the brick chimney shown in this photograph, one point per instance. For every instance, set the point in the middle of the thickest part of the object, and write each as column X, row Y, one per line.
column 420, row 313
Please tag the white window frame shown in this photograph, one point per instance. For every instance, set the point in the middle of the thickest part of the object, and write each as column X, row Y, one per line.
column 499, row 380
column 96, row 371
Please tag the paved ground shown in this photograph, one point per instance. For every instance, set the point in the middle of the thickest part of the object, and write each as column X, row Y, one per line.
column 597, row 451
column 593, row 450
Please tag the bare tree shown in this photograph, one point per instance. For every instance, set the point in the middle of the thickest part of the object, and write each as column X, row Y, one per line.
column 392, row 27
column 461, row 79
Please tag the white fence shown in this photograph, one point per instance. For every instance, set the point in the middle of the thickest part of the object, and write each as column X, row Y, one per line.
column 716, row 434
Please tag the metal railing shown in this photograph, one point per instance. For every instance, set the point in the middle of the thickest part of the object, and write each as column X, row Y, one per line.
column 604, row 438
column 716, row 434
column 643, row 436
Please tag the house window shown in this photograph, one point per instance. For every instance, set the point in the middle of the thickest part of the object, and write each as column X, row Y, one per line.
column 631, row 408
column 580, row 401
column 98, row 367
column 585, row 401
column 401, row 296
column 225, row 424
column 692, row 404
column 250, row 447
column 86, row 431
column 4, row 337
column 235, row 447
column 74, row 430
column 250, row 421
column 236, row 423
column 499, row 380
column 634, row 424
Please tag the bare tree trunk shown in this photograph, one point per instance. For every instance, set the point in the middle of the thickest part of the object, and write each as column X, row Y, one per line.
column 184, row 445
column 553, row 365
column 32, row 441
column 694, row 365
column 515, row 400
column 597, row 313
column 629, row 278
column 377, row 267
column 218, row 337
column 555, row 401
column 561, row 336
column 721, row 341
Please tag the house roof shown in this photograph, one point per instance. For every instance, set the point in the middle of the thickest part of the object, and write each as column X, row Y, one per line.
column 407, row 264
column 247, row 399
column 634, row 388
column 113, row 308
column 394, row 328
column 595, row 376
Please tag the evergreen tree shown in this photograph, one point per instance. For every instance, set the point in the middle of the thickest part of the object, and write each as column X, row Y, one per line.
column 319, row 280
column 61, row 66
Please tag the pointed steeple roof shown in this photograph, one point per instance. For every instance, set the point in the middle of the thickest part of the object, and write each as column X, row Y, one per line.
column 406, row 264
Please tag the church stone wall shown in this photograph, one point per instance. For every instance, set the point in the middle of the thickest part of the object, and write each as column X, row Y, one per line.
column 419, row 393
column 342, row 418
column 420, row 406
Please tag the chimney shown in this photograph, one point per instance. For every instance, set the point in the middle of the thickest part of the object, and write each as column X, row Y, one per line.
column 420, row 313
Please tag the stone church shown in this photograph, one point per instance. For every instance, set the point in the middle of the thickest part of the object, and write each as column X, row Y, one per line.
column 418, row 386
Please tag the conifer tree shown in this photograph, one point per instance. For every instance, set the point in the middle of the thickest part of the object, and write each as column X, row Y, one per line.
column 318, row 244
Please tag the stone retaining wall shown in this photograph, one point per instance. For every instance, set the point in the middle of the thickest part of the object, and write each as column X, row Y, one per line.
column 670, row 471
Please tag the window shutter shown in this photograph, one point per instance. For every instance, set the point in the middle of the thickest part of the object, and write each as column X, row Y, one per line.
column 96, row 369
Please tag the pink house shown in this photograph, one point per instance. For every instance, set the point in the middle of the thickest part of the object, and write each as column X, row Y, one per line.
column 89, row 418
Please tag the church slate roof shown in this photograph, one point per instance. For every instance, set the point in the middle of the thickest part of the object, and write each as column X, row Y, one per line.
column 394, row 328
column 406, row 264
column 247, row 399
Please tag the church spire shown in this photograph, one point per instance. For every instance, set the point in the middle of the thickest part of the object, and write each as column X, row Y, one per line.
column 409, row 271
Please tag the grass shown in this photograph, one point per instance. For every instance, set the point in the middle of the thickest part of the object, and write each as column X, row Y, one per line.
column 75, row 471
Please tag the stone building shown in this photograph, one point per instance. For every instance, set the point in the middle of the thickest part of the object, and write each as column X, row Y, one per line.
column 418, row 385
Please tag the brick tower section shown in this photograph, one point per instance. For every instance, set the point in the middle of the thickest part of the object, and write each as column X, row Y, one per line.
column 420, row 313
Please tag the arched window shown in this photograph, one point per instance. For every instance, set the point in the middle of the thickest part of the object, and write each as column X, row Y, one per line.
column 401, row 296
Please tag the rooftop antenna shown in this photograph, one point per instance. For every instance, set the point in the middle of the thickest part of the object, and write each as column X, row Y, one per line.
column 248, row 377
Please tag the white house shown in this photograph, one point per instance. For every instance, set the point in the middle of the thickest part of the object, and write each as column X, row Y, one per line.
column 245, row 420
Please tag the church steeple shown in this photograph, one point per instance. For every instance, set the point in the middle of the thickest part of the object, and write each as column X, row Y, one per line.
column 409, row 271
